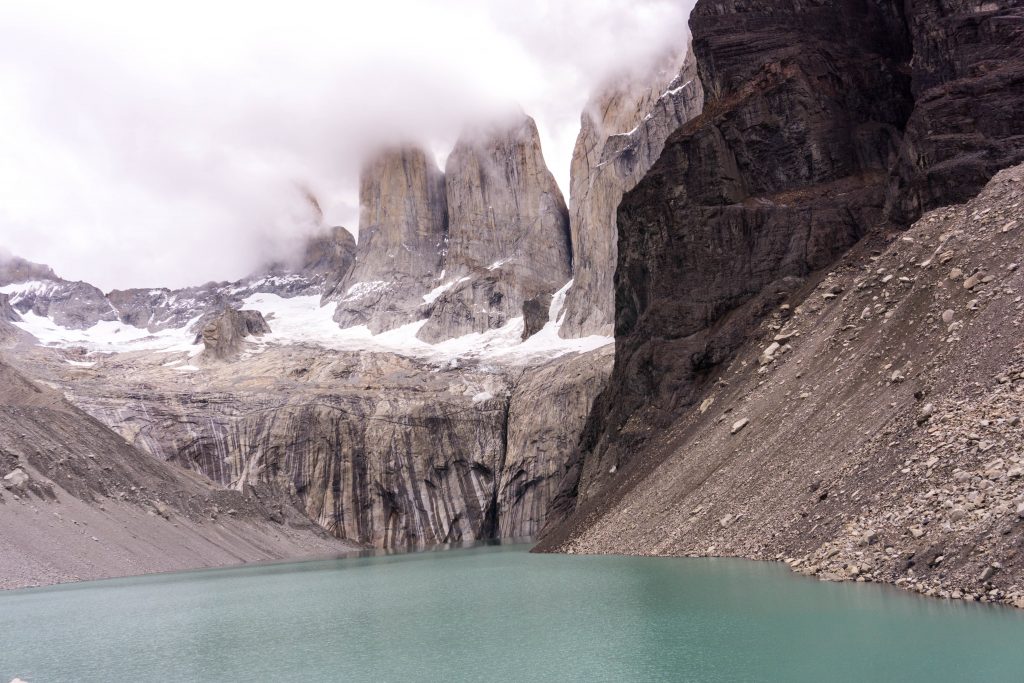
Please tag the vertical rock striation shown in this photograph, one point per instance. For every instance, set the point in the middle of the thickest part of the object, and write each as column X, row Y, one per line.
column 508, row 231
column 622, row 134
column 377, row 448
column 402, row 225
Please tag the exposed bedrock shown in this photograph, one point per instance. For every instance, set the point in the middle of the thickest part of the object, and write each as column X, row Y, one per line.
column 622, row 133
column 508, row 231
column 811, row 113
column 402, row 224
column 378, row 448
column 326, row 257
column 74, row 305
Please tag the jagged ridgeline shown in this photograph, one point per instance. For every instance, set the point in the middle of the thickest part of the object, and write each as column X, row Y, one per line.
column 426, row 384
column 466, row 250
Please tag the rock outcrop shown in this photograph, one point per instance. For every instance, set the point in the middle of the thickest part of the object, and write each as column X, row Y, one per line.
column 74, row 305
column 968, row 118
column 622, row 134
column 508, row 231
column 403, row 221
column 14, row 269
column 224, row 337
column 329, row 256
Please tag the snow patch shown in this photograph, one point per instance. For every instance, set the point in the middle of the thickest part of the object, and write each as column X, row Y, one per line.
column 362, row 289
column 483, row 396
column 436, row 293
column 302, row 320
column 106, row 336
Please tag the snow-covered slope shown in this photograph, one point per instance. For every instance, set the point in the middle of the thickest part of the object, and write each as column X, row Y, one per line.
column 302, row 320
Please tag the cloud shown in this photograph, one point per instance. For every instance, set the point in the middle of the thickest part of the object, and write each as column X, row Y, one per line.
column 146, row 144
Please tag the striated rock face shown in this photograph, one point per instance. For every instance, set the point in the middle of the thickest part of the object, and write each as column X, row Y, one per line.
column 811, row 116
column 621, row 136
column 377, row 448
column 402, row 225
column 73, row 473
column 547, row 410
column 508, row 231
column 224, row 336
column 968, row 119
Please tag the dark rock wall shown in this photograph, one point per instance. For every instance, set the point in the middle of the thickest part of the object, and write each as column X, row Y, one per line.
column 968, row 120
column 820, row 120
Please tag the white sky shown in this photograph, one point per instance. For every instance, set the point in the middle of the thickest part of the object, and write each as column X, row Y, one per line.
column 165, row 144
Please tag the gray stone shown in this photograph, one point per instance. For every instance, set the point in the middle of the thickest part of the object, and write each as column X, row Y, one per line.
column 16, row 479
column 739, row 425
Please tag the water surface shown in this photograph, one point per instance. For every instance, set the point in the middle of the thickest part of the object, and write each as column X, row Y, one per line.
column 498, row 613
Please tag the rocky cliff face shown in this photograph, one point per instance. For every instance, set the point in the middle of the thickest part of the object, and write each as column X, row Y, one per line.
column 869, row 429
column 968, row 118
column 621, row 136
column 403, row 222
column 378, row 448
column 821, row 123
column 792, row 161
column 79, row 503
column 508, row 231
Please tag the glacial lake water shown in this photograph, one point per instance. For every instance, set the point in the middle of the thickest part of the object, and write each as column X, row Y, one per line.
column 498, row 613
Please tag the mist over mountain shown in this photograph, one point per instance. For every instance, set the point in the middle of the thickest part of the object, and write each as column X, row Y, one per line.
column 176, row 146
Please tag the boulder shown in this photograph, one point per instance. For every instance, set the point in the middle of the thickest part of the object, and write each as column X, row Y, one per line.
column 16, row 479
column 224, row 335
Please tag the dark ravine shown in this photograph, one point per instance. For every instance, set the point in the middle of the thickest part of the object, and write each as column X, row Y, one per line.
column 824, row 125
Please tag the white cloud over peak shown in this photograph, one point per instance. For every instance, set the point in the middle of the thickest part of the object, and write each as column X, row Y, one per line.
column 146, row 144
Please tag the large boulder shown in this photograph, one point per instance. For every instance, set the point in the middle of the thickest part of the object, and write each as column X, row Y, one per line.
column 224, row 335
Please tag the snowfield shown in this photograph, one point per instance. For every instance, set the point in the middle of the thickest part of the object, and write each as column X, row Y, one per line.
column 302, row 320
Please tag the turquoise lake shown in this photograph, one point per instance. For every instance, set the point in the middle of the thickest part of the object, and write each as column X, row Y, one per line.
column 499, row 613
